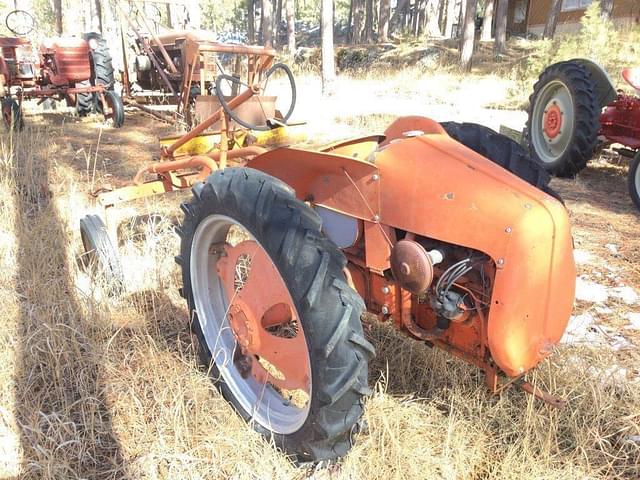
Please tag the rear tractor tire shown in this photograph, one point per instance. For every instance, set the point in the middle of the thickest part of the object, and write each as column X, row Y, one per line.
column 564, row 119
column 502, row 151
column 100, row 255
column 276, row 321
column 633, row 180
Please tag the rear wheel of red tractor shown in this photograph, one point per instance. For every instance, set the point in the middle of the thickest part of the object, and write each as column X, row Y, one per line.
column 273, row 314
column 564, row 119
column 634, row 180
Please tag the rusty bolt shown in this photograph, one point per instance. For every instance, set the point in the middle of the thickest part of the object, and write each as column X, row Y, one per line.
column 376, row 218
column 375, row 177
column 385, row 290
column 500, row 261
column 508, row 229
column 385, row 310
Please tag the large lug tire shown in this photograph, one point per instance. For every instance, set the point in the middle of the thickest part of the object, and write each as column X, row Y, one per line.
column 115, row 106
column 309, row 267
column 564, row 119
column 501, row 150
column 100, row 255
column 633, row 180
column 12, row 115
column 85, row 102
column 102, row 72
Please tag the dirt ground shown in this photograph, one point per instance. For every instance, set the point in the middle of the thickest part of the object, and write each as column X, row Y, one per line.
column 94, row 388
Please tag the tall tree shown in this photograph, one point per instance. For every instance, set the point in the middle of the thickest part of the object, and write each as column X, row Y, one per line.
column 552, row 19
column 368, row 22
column 606, row 8
column 397, row 16
column 358, row 20
column 267, row 23
column 500, row 45
column 451, row 15
column 277, row 21
column 468, row 35
column 383, row 24
column 167, row 12
column 57, row 13
column 487, row 21
column 251, row 20
column 291, row 25
column 326, row 33
column 96, row 16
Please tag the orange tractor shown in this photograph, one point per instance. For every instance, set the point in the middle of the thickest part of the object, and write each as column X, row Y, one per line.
column 434, row 227
column 76, row 70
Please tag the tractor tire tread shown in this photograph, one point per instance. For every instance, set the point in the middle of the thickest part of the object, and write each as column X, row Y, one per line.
column 312, row 267
column 587, row 117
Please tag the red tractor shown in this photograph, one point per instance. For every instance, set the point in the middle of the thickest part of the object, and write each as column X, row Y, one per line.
column 575, row 109
column 76, row 70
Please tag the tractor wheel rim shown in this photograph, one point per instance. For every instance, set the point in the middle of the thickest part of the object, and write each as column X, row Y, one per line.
column 250, row 324
column 552, row 123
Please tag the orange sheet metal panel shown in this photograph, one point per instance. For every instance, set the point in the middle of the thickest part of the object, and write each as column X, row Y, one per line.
column 436, row 187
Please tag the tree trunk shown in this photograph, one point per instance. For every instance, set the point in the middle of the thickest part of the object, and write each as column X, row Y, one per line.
column 194, row 13
column 500, row 45
column 277, row 21
column 96, row 16
column 383, row 24
column 350, row 23
column 422, row 16
column 487, row 21
column 291, row 25
column 552, row 19
column 358, row 17
column 267, row 23
column 468, row 35
column 368, row 22
column 451, row 19
column 57, row 12
column 326, row 32
column 167, row 12
column 397, row 16
column 251, row 20
column 432, row 21
column 606, row 9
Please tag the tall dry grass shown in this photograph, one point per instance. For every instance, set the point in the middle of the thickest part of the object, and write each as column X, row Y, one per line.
column 97, row 387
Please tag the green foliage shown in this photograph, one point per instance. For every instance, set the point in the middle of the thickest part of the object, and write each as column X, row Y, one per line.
column 45, row 19
column 224, row 15
column 597, row 39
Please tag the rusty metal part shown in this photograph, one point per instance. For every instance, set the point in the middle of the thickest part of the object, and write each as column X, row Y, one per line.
column 541, row 394
column 200, row 128
column 258, row 301
column 412, row 266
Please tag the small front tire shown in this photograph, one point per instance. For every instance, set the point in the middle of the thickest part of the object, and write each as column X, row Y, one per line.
column 633, row 180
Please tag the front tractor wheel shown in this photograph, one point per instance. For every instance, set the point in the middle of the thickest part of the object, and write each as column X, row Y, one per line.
column 115, row 110
column 564, row 119
column 273, row 314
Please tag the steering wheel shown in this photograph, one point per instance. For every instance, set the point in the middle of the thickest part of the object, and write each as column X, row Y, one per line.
column 20, row 22
column 278, row 67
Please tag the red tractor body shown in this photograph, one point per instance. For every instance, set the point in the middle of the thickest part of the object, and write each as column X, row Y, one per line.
column 620, row 120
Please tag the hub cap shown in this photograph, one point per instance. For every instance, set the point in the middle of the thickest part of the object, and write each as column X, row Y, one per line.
column 250, row 324
column 552, row 122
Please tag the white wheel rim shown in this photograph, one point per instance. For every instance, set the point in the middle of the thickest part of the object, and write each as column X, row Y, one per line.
column 555, row 94
column 262, row 402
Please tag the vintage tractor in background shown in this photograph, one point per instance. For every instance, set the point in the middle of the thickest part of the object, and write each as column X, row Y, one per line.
column 574, row 110
column 442, row 230
column 197, row 74
column 76, row 70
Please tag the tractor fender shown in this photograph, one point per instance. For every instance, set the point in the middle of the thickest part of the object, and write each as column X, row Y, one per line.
column 604, row 87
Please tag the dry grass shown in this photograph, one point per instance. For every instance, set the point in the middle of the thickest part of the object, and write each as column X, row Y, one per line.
column 93, row 387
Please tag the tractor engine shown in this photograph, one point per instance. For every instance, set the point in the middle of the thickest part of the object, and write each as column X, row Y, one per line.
column 620, row 121
column 65, row 61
